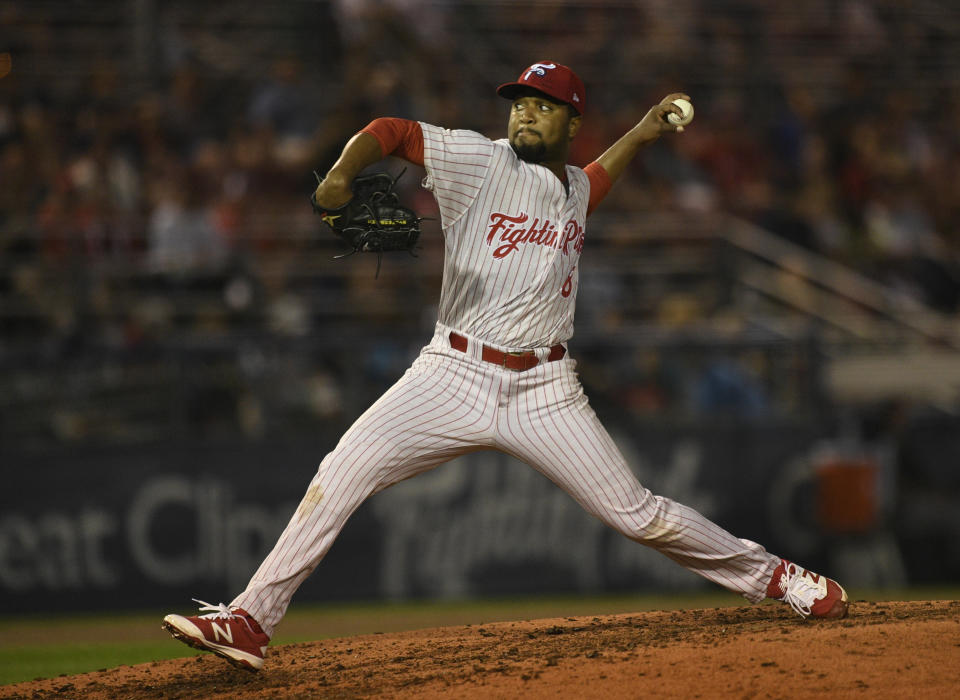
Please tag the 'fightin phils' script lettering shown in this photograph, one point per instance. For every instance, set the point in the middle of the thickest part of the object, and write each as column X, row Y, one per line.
column 511, row 231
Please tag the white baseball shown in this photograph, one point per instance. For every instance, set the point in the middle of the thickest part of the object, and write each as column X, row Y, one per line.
column 686, row 107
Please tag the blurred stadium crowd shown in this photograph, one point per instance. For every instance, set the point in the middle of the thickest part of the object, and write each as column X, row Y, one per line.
column 155, row 160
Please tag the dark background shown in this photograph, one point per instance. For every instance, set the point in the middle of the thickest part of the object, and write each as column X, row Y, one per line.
column 767, row 312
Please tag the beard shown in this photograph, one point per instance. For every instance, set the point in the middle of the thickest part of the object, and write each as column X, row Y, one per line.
column 530, row 152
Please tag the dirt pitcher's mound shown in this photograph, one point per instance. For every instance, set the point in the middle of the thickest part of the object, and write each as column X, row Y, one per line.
column 883, row 650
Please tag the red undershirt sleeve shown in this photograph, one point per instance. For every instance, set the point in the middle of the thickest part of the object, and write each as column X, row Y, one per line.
column 600, row 184
column 398, row 137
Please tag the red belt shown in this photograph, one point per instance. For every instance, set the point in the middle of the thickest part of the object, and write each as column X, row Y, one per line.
column 517, row 361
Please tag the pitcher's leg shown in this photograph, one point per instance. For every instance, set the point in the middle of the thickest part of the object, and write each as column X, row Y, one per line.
column 552, row 427
column 418, row 424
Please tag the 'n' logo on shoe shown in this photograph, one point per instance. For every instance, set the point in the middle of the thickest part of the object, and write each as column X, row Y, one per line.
column 218, row 632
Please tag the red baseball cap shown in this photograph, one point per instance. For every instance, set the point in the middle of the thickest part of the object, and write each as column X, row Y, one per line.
column 552, row 79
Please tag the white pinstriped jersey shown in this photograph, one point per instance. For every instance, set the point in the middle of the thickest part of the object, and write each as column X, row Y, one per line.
column 513, row 241
column 513, row 238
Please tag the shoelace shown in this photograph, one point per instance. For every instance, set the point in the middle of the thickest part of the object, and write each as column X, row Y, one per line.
column 799, row 590
column 221, row 612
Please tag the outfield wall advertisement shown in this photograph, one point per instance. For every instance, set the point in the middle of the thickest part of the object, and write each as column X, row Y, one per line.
column 157, row 526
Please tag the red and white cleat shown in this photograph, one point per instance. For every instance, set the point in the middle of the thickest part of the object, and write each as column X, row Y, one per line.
column 809, row 594
column 232, row 634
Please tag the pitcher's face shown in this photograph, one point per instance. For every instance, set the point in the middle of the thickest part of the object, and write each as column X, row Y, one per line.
column 540, row 130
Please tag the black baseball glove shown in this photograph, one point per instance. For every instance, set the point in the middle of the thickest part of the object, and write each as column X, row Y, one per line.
column 373, row 221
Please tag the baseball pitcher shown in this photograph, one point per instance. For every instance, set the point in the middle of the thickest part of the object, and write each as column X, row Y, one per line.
column 497, row 373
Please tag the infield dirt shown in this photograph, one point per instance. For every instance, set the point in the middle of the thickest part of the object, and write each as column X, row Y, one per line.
column 882, row 650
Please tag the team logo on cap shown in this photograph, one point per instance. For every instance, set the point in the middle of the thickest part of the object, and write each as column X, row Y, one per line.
column 539, row 69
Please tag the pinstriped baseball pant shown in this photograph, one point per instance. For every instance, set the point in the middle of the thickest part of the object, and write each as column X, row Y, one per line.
column 449, row 403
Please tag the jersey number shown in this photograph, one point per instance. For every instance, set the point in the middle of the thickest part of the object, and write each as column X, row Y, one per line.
column 568, row 284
